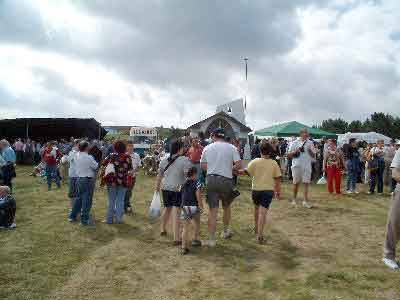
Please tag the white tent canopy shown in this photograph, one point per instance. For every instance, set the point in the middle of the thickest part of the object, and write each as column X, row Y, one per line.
column 369, row 137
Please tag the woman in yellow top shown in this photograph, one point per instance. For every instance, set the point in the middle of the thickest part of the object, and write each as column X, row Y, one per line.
column 266, row 174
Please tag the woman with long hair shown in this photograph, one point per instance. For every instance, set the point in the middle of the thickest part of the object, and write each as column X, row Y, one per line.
column 116, row 168
column 171, row 177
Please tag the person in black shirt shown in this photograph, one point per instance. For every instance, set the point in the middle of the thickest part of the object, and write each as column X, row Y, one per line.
column 352, row 158
column 255, row 150
column 192, row 206
column 203, row 141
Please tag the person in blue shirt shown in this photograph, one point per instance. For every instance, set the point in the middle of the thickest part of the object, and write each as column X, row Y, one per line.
column 8, row 170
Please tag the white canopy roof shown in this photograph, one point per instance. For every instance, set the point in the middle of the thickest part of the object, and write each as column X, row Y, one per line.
column 369, row 137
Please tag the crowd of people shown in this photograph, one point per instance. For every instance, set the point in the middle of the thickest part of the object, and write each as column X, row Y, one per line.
column 197, row 170
column 362, row 162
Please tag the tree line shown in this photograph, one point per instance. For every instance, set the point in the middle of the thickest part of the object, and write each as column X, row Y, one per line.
column 378, row 122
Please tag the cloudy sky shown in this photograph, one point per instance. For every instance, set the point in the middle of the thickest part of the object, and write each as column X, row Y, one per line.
column 170, row 62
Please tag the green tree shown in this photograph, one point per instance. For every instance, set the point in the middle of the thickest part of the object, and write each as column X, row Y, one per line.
column 355, row 126
column 382, row 123
column 396, row 128
column 334, row 125
column 378, row 121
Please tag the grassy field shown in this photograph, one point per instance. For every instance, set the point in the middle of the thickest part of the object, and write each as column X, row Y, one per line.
column 330, row 252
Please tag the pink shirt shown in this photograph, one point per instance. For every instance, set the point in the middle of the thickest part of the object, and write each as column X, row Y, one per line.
column 19, row 146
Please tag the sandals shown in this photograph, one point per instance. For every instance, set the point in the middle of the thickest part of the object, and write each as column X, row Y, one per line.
column 261, row 240
column 185, row 251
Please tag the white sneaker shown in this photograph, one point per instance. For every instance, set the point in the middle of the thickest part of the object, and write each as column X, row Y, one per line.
column 294, row 203
column 210, row 243
column 356, row 192
column 12, row 226
column 227, row 234
column 307, row 205
column 349, row 192
column 390, row 263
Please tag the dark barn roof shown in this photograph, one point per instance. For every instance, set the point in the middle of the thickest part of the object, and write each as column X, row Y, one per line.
column 50, row 128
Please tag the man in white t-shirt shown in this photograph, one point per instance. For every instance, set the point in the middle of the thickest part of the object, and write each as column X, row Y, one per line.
column 303, row 153
column 393, row 224
column 219, row 159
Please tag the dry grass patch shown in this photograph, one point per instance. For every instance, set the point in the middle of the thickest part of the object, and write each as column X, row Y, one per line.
column 330, row 252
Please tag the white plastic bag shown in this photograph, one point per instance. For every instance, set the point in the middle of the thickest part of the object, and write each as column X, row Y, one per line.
column 64, row 159
column 322, row 180
column 155, row 206
column 54, row 152
column 110, row 169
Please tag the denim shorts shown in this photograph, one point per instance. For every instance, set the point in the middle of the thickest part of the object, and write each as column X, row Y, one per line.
column 172, row 199
column 262, row 198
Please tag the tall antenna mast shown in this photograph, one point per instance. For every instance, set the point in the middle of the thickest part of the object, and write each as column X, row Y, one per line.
column 246, row 70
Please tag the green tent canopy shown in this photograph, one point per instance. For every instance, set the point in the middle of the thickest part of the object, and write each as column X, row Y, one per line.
column 292, row 129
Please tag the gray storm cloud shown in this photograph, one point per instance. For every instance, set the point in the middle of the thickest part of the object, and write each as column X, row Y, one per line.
column 191, row 51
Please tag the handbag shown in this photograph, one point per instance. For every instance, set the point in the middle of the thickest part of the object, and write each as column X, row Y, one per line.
column 373, row 164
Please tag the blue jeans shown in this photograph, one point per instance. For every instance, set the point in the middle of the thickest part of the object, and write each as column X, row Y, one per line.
column 376, row 177
column 7, row 173
column 393, row 185
column 72, row 187
column 83, row 200
column 52, row 174
column 116, row 201
column 352, row 173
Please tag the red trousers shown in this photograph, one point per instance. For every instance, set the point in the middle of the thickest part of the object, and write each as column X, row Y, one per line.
column 334, row 174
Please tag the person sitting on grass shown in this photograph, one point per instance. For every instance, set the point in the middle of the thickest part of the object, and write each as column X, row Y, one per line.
column 266, row 174
column 8, row 208
column 192, row 206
